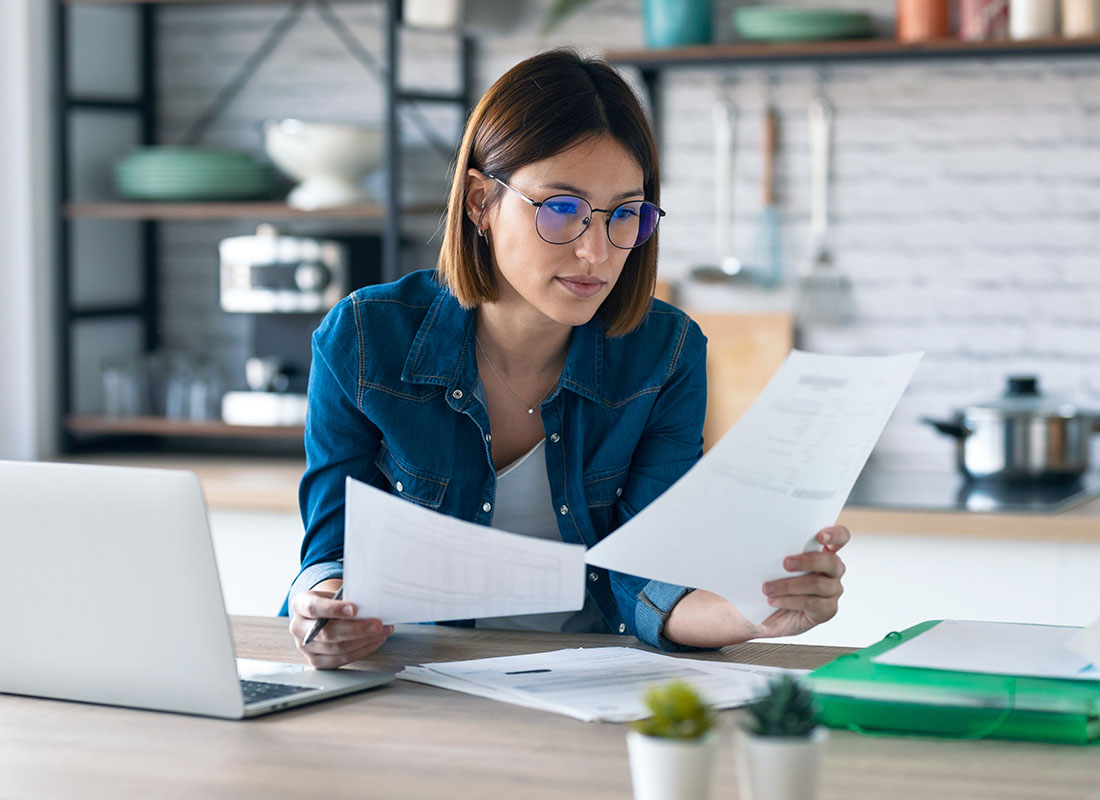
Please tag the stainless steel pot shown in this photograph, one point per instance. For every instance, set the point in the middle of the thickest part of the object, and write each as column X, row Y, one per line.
column 1021, row 436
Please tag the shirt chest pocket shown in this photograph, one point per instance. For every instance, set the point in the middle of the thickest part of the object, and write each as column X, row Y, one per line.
column 604, row 487
column 420, row 486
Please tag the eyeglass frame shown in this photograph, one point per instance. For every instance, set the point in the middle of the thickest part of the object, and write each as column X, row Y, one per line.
column 537, row 204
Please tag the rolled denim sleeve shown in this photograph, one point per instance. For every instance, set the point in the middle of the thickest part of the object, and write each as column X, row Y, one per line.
column 313, row 575
column 672, row 444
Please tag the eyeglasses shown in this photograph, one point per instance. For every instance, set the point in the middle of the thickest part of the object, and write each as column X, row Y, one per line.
column 562, row 219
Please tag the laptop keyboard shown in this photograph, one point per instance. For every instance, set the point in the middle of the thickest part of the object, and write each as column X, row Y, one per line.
column 255, row 691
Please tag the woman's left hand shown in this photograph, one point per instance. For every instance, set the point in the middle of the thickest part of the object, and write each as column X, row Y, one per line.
column 807, row 600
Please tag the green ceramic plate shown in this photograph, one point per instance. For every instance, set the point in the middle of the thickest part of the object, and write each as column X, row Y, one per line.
column 770, row 24
column 179, row 173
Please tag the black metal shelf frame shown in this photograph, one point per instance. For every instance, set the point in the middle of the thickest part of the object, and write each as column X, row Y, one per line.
column 145, row 107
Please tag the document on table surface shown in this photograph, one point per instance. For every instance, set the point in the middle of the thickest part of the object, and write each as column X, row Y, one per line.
column 603, row 683
column 404, row 563
column 769, row 485
column 998, row 648
column 1085, row 642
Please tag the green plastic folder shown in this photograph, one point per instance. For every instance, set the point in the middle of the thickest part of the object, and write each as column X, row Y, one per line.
column 857, row 694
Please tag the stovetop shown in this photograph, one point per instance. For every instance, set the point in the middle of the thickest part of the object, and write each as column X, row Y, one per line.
column 950, row 491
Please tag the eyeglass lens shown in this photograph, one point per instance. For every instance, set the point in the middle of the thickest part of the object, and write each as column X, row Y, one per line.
column 563, row 218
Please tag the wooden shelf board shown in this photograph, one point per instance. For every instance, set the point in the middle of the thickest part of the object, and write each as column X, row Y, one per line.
column 170, row 2
column 161, row 426
column 850, row 49
column 223, row 210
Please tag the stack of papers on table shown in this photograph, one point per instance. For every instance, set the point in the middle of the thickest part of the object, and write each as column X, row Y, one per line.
column 597, row 684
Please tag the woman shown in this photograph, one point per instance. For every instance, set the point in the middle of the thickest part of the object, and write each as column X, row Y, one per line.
column 531, row 382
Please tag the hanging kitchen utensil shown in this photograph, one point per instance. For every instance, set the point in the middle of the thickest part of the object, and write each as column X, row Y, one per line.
column 727, row 267
column 767, row 267
column 824, row 295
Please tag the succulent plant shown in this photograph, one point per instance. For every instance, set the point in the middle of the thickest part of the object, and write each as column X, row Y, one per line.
column 678, row 713
column 786, row 710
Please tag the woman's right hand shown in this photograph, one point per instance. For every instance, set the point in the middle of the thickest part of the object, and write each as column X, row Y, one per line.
column 344, row 639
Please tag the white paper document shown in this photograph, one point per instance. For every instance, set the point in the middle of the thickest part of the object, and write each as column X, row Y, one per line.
column 998, row 648
column 404, row 563
column 1085, row 642
column 604, row 683
column 782, row 473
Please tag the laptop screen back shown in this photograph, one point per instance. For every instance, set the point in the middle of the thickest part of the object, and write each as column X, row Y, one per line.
column 111, row 591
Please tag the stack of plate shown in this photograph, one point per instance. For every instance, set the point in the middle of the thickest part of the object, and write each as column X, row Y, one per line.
column 771, row 24
column 192, row 173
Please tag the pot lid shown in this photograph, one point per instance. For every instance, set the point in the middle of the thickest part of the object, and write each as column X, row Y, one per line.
column 1022, row 397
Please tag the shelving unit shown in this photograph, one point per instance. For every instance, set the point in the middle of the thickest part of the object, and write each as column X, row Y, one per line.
column 652, row 63
column 75, row 431
column 159, row 426
column 213, row 211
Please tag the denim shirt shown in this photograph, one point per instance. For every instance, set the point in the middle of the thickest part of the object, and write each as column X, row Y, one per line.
column 395, row 401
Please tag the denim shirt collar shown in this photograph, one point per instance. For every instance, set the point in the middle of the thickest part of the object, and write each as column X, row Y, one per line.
column 442, row 351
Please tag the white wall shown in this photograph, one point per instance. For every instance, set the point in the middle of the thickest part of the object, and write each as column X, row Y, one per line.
column 26, row 419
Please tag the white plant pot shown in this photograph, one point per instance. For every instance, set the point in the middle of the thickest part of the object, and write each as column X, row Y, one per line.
column 779, row 768
column 671, row 769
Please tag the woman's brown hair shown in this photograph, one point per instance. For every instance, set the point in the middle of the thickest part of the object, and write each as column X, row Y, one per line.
column 537, row 109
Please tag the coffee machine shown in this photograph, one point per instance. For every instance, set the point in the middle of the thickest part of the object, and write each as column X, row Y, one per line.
column 285, row 285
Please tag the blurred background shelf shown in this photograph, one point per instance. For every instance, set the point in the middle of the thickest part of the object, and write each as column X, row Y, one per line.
column 221, row 210
column 850, row 50
column 162, row 426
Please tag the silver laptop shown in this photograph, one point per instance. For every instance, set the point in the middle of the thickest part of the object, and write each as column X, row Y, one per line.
column 110, row 594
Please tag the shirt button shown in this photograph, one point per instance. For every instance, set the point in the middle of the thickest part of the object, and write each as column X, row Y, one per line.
column 619, row 492
column 622, row 627
column 399, row 486
column 593, row 576
column 488, row 437
column 487, row 507
column 457, row 394
column 564, row 510
column 555, row 438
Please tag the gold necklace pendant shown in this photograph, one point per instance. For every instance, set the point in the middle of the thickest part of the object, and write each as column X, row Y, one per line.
column 500, row 379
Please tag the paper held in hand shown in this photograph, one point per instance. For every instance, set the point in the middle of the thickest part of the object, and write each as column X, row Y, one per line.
column 777, row 477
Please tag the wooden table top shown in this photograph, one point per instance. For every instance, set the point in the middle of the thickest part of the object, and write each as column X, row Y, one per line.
column 413, row 741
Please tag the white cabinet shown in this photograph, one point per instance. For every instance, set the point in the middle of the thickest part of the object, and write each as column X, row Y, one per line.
column 896, row 581
column 257, row 556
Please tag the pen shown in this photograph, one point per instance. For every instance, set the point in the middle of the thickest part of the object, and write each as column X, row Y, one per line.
column 322, row 621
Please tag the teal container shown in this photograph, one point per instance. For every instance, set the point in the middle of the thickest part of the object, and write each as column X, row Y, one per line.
column 676, row 23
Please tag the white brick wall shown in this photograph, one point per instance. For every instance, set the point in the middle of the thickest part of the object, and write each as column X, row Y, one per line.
column 966, row 195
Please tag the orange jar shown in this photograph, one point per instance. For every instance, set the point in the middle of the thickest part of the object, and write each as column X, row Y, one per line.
column 921, row 20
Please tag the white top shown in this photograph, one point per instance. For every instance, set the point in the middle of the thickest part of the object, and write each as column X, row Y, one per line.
column 523, row 505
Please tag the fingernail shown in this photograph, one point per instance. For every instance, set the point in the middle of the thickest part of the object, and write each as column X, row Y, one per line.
column 349, row 611
column 769, row 588
column 389, row 629
column 826, row 538
column 374, row 628
column 773, row 601
column 790, row 563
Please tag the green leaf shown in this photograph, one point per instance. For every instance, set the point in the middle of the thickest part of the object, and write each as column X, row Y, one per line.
column 559, row 11
column 677, row 712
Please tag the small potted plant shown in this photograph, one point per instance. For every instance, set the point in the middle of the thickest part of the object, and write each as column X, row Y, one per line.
column 780, row 745
column 672, row 751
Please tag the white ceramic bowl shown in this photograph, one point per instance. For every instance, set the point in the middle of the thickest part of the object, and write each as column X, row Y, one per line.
column 330, row 159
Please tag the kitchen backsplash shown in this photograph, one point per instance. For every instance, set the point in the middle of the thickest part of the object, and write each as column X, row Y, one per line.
column 966, row 194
